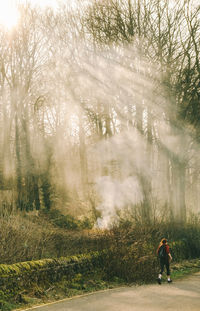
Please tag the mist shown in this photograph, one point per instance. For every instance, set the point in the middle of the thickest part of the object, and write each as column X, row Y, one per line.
column 98, row 125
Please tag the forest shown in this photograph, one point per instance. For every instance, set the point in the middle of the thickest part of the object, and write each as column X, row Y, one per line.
column 99, row 121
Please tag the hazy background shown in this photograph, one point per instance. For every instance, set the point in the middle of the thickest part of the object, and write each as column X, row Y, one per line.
column 99, row 110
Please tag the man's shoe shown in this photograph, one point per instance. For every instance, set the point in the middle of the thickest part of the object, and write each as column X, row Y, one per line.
column 159, row 281
column 169, row 281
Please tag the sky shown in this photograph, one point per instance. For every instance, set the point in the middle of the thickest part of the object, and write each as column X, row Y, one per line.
column 41, row 3
column 9, row 14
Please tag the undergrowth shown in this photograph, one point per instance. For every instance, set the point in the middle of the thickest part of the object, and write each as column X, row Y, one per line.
column 130, row 256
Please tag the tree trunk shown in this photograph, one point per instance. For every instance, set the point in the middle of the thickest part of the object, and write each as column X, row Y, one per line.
column 32, row 189
column 20, row 203
column 1, row 154
column 83, row 155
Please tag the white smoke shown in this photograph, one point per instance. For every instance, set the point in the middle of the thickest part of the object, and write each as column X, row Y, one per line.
column 116, row 195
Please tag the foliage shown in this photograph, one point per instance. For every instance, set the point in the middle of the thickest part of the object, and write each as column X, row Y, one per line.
column 62, row 108
column 132, row 255
column 68, row 221
column 31, row 237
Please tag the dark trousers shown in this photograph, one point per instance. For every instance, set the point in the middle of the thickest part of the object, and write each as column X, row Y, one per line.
column 164, row 263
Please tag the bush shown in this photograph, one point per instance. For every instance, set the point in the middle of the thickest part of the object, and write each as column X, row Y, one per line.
column 25, row 238
column 132, row 255
column 67, row 221
column 129, row 259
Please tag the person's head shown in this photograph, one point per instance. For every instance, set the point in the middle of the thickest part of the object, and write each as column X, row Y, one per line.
column 164, row 241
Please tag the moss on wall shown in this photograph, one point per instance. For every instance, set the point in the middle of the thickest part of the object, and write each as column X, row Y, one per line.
column 25, row 275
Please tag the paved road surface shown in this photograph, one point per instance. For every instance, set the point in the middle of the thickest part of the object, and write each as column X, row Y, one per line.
column 182, row 295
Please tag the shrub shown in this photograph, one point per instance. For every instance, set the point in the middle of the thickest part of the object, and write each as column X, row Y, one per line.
column 25, row 238
column 132, row 255
column 67, row 221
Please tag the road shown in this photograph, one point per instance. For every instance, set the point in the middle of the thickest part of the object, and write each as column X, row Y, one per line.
column 182, row 295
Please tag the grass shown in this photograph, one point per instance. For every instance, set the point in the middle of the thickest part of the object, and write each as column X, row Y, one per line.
column 186, row 267
column 83, row 284
column 183, row 269
column 7, row 306
column 79, row 285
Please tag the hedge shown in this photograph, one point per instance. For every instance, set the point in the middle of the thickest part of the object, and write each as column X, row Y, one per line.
column 130, row 262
